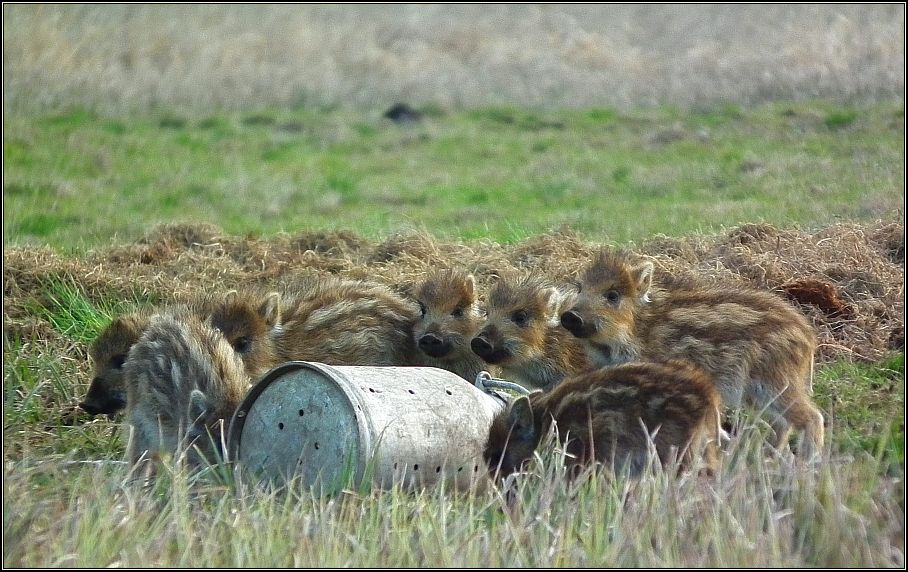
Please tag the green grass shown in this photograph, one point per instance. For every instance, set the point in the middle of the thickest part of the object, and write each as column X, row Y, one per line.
column 761, row 511
column 867, row 403
column 77, row 180
column 840, row 118
column 65, row 306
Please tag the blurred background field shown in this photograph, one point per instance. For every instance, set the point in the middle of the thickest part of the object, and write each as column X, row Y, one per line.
column 766, row 141
column 616, row 121
column 200, row 58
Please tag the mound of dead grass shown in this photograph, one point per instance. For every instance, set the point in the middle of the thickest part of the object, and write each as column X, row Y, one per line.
column 848, row 279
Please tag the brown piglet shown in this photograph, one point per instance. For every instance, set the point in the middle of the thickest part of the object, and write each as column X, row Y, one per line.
column 321, row 319
column 449, row 318
column 184, row 382
column 107, row 392
column 521, row 334
column 756, row 347
column 611, row 416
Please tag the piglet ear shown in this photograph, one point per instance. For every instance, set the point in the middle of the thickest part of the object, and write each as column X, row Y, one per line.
column 520, row 415
column 470, row 285
column 552, row 299
column 198, row 405
column 643, row 274
column 270, row 309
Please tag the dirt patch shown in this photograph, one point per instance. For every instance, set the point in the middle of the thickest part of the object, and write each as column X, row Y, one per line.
column 848, row 279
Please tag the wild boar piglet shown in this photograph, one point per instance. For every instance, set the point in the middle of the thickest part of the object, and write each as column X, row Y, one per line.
column 521, row 334
column 449, row 318
column 612, row 415
column 107, row 392
column 184, row 383
column 756, row 347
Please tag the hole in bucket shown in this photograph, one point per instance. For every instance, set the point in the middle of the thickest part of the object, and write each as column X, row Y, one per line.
column 437, row 469
column 371, row 390
column 448, row 391
column 316, row 445
column 302, row 412
column 411, row 392
column 280, row 426
column 459, row 469
column 416, row 467
column 395, row 465
column 475, row 468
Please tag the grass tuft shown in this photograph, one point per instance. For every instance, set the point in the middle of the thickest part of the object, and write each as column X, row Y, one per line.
column 66, row 307
column 840, row 119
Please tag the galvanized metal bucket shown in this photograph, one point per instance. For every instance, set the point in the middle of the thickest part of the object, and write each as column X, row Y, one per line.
column 333, row 426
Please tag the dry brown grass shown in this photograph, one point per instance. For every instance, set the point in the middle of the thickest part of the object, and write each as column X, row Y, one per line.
column 119, row 58
column 847, row 278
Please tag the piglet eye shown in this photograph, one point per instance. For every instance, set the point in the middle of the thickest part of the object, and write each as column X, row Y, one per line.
column 458, row 312
column 118, row 360
column 242, row 344
column 612, row 297
column 520, row 317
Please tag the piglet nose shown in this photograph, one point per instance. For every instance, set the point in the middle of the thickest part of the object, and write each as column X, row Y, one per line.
column 89, row 406
column 572, row 320
column 430, row 341
column 481, row 346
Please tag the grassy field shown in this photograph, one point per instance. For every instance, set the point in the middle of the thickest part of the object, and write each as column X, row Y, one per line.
column 76, row 179
column 69, row 502
column 762, row 512
column 84, row 183
column 612, row 124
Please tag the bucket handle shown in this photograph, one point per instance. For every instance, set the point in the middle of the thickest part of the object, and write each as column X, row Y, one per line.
column 487, row 383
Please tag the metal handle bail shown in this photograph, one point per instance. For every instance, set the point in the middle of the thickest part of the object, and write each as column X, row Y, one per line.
column 489, row 384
